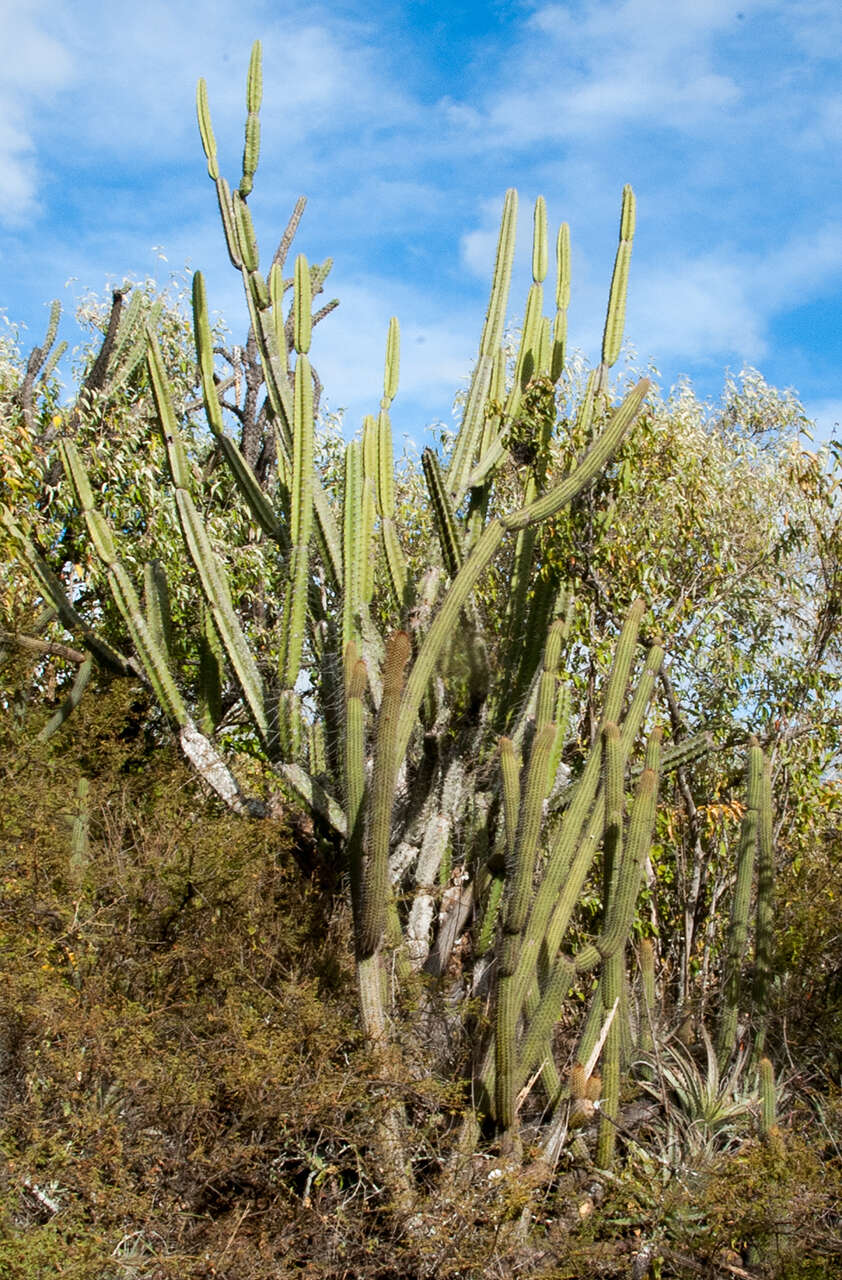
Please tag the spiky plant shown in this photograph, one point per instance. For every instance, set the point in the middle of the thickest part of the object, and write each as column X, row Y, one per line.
column 433, row 730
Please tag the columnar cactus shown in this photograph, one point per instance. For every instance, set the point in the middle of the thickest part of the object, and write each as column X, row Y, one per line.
column 397, row 765
column 755, row 836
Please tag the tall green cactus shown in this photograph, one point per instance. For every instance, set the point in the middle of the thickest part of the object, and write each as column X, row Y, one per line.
column 756, row 800
column 764, row 914
column 390, row 757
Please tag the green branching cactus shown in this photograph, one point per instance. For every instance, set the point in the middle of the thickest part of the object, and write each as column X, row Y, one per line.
column 534, row 976
column 646, row 1019
column 393, row 761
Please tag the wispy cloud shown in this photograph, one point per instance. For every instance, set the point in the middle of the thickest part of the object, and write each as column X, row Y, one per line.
column 35, row 68
column 583, row 69
column 725, row 118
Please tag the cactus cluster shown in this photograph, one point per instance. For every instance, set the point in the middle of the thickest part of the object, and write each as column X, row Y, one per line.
column 419, row 787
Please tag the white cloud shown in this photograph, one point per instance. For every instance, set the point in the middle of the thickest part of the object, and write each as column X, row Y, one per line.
column 722, row 303
column 804, row 267
column 321, row 73
column 577, row 74
column 35, row 67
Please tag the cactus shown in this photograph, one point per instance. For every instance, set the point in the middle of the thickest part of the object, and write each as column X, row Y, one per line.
column 646, row 961
column 80, row 835
column 740, row 902
column 764, row 913
column 768, row 1100
column 391, row 760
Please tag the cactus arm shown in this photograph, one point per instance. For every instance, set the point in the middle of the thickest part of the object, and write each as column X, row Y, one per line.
column 375, row 894
column 610, row 987
column 525, row 636
column 391, row 373
column 216, row 593
column 53, row 590
column 442, row 628
column 211, row 673
column 472, row 425
column 302, row 307
column 385, row 482
column 125, row 596
column 211, row 573
column 276, row 298
column 354, row 762
column 356, row 547
column 248, row 250
column 156, row 598
column 768, row 1099
column 223, row 193
column 312, row 794
column 614, row 779
column 562, row 302
column 763, row 937
column 521, row 869
column 548, row 685
column 678, row 754
column 243, row 475
column 520, row 582
column 254, row 93
column 369, row 501
column 525, row 363
column 206, row 130
column 646, row 1021
column 510, row 773
column 494, row 895
column 445, row 519
column 487, row 461
column 35, row 364
column 295, row 610
column 621, row 907
column 529, row 825
column 71, row 702
column 615, row 318
column 153, row 659
column 461, row 462
column 79, row 835
column 540, row 256
column 738, row 926
column 492, row 333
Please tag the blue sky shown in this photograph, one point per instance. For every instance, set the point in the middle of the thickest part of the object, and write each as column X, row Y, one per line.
column 404, row 124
